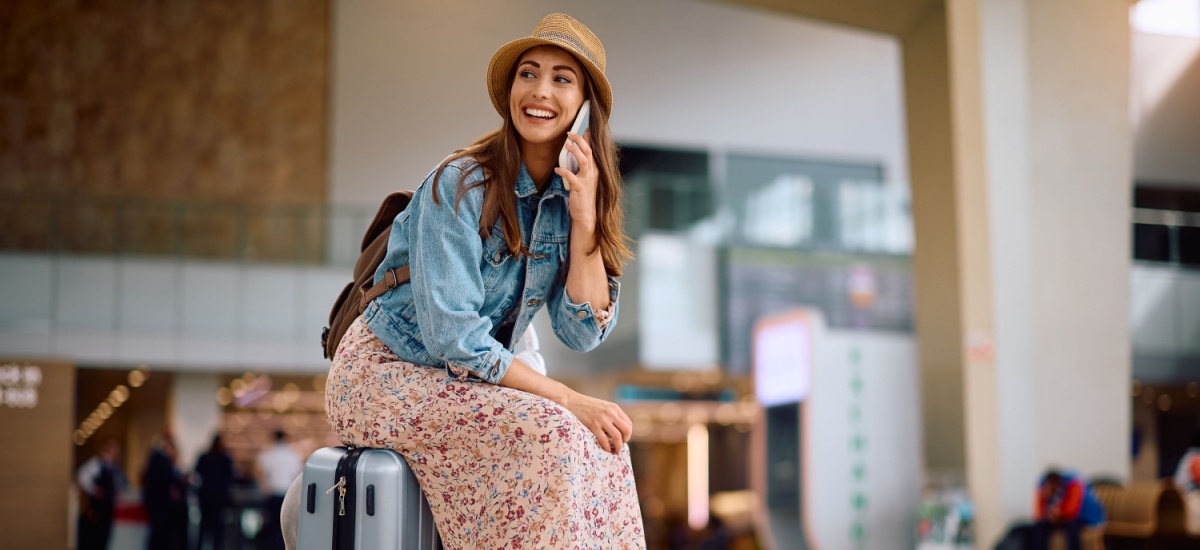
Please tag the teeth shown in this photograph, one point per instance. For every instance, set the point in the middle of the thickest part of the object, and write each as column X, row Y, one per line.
column 539, row 113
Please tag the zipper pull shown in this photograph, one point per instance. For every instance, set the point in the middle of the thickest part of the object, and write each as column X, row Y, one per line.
column 340, row 484
column 341, row 487
column 342, row 498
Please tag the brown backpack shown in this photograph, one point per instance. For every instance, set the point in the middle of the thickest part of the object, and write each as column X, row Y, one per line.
column 360, row 291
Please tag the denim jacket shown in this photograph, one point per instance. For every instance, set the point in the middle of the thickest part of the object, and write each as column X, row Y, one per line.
column 463, row 287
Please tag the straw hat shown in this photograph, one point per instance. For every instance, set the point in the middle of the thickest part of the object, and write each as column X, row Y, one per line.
column 555, row 29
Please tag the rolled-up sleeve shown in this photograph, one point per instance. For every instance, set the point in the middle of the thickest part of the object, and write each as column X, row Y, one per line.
column 448, row 289
column 575, row 324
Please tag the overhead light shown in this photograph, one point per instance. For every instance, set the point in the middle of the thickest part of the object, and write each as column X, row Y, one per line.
column 224, row 397
column 1173, row 17
column 670, row 412
column 726, row 414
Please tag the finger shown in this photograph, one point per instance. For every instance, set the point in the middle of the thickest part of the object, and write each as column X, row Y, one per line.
column 581, row 157
column 626, row 427
column 602, row 438
column 569, row 178
column 598, row 430
column 584, row 146
column 614, row 440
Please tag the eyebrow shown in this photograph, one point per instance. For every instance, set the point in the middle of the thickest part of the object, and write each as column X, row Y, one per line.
column 556, row 67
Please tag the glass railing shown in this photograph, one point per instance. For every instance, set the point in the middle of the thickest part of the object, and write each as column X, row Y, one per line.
column 788, row 212
column 1166, row 237
column 871, row 218
column 303, row 234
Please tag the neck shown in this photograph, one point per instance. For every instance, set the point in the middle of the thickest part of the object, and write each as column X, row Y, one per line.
column 540, row 161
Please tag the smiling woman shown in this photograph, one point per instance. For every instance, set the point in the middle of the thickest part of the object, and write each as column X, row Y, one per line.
column 506, row 456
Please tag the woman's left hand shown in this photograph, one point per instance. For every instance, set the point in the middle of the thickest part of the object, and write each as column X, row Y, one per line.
column 582, row 202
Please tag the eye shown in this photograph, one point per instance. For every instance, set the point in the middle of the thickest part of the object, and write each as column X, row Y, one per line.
column 526, row 74
column 561, row 79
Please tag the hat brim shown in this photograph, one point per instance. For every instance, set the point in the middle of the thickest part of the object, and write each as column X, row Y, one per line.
column 506, row 56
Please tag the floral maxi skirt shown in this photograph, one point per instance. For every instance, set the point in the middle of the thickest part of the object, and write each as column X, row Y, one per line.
column 501, row 468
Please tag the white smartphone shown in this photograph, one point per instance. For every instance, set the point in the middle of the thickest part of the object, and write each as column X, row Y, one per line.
column 565, row 158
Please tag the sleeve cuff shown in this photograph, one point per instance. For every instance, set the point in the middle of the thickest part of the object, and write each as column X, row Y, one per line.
column 491, row 367
column 602, row 320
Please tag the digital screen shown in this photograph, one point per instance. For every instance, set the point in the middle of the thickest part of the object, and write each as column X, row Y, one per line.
column 782, row 361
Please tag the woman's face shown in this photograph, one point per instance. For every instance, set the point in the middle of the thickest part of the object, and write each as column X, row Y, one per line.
column 547, row 92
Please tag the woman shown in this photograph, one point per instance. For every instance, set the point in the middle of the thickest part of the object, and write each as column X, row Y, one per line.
column 508, row 457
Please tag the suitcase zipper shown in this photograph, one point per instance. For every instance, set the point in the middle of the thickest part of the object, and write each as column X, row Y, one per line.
column 341, row 487
column 347, row 484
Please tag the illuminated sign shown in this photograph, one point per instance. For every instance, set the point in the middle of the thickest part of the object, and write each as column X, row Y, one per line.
column 19, row 386
column 782, row 360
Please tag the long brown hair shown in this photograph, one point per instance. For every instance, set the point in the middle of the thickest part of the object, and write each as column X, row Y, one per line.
column 498, row 154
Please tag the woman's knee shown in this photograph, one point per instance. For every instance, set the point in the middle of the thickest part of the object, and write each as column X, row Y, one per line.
column 551, row 428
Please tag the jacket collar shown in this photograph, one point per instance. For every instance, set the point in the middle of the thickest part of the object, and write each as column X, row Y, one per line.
column 526, row 187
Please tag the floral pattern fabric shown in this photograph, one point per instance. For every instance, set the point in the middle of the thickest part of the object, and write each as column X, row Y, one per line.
column 501, row 468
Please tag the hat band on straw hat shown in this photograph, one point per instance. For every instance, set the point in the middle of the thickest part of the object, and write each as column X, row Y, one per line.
column 574, row 42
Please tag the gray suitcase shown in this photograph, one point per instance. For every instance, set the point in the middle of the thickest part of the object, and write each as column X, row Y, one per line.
column 360, row 499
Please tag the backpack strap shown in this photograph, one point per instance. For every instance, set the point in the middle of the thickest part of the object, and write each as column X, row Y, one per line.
column 392, row 278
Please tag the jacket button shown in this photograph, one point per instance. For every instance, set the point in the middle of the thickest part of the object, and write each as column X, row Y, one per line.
column 496, row 256
column 582, row 314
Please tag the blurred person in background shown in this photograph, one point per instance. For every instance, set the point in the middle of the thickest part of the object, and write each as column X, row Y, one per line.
column 164, row 494
column 1187, row 479
column 1064, row 502
column 99, row 482
column 215, row 473
column 1187, row 473
column 277, row 467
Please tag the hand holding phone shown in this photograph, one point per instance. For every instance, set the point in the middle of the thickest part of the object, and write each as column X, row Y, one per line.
column 565, row 158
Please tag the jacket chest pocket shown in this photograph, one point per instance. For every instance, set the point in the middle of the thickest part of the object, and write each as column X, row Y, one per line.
column 549, row 258
column 496, row 260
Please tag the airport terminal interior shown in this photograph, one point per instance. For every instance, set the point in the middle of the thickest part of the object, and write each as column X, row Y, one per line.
column 895, row 261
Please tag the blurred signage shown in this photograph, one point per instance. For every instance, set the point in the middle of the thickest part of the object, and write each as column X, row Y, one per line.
column 782, row 359
column 861, row 286
column 19, row 385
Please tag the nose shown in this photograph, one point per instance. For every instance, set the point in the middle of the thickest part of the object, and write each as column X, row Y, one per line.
column 542, row 89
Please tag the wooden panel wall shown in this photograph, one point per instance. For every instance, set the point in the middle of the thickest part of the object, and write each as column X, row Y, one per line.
column 195, row 102
column 35, row 460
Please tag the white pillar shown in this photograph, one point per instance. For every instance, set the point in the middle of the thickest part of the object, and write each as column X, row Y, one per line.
column 1020, row 147
column 1059, row 149
column 194, row 414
